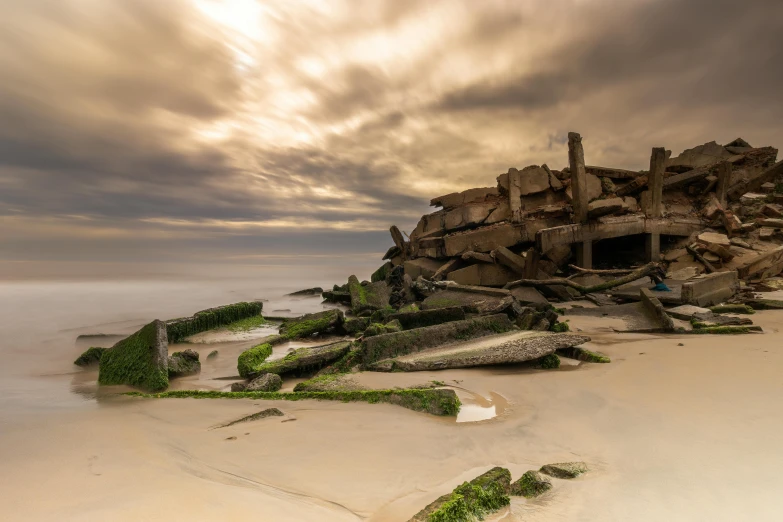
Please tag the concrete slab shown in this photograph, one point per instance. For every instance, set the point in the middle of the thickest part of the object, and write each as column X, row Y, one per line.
column 628, row 317
column 685, row 312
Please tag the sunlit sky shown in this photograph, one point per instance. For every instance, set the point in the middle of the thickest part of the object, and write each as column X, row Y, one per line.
column 225, row 130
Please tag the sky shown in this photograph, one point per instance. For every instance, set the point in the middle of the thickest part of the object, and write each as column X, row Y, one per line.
column 270, row 132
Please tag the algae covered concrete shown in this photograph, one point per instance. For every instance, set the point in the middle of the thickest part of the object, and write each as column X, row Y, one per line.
column 140, row 360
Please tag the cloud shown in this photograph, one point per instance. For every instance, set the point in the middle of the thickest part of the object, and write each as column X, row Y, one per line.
column 228, row 128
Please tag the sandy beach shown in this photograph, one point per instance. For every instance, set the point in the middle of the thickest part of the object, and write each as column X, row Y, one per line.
column 668, row 431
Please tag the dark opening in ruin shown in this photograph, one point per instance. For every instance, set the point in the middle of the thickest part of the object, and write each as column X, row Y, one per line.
column 626, row 251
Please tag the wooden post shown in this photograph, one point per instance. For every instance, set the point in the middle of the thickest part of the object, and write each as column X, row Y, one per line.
column 655, row 186
column 724, row 179
column 579, row 199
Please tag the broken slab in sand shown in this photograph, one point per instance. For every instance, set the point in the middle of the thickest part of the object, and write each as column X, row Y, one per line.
column 628, row 317
column 509, row 348
column 469, row 301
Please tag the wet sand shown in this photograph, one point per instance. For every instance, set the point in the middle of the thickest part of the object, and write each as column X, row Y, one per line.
column 670, row 432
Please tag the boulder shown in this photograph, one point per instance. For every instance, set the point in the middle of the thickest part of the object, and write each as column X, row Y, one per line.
column 564, row 470
column 368, row 297
column 212, row 354
column 530, row 485
column 238, row 386
column 510, row 348
column 92, row 356
column 140, row 360
column 184, row 363
column 268, row 382
column 310, row 324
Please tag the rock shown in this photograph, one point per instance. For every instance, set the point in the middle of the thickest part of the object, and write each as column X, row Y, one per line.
column 212, row 354
column 382, row 273
column 310, row 324
column 713, row 238
column 178, row 329
column 310, row 291
column 583, row 354
column 482, row 274
column 268, row 382
column 356, row 326
column 710, row 257
column 269, row 412
column 766, row 233
column 470, row 501
column 559, row 255
column 420, row 319
column 364, row 297
column 378, row 328
column 771, row 222
column 308, row 358
column 468, row 301
column 768, row 188
column 564, row 470
column 90, row 356
column 515, row 347
column 740, row 243
column 709, row 319
column 685, row 312
column 701, row 156
column 184, row 363
column 772, row 210
column 530, row 485
column 337, row 296
column 752, row 198
column 409, row 341
column 510, row 260
column 422, row 267
column 602, row 207
column 594, row 188
column 712, row 209
column 607, row 185
column 238, row 386
column 631, row 205
column 140, row 360
column 529, row 295
column 484, row 239
column 529, row 180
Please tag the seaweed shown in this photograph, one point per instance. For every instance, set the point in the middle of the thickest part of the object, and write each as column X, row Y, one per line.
column 179, row 329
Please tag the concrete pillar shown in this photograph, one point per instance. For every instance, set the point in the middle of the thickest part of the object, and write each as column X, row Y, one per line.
column 655, row 181
column 724, row 179
column 584, row 254
column 576, row 161
column 655, row 209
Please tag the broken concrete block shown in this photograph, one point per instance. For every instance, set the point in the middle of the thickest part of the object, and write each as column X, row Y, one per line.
column 712, row 209
column 510, row 348
column 529, row 180
column 139, row 360
column 483, row 239
column 685, row 312
column 479, row 257
column 559, row 255
column 710, row 289
column 421, row 267
column 655, row 307
column 768, row 188
column 631, row 205
column 772, row 210
column 554, row 181
column 740, row 243
column 364, row 297
column 509, row 259
column 594, row 188
column 771, row 222
column 468, row 196
column 448, row 267
column 483, row 274
column 766, row 233
column 267, row 382
column 564, row 470
column 677, row 253
column 501, row 213
column 700, row 156
column 184, row 363
column 764, row 265
column 397, row 344
column 531, row 485
column 713, row 238
column 469, row 301
column 607, row 185
column 305, row 359
column 468, row 215
column 602, row 207
column 422, row 318
column 310, row 324
column 683, row 274
column 529, row 295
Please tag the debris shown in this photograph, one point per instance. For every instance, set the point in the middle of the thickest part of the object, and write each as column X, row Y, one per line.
column 655, row 307
column 184, row 363
column 310, row 324
column 530, row 485
column 140, row 360
column 646, row 270
column 308, row 358
column 420, row 319
column 268, row 382
column 178, row 329
column 564, row 470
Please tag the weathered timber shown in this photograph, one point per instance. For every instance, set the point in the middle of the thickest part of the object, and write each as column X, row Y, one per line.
column 646, row 270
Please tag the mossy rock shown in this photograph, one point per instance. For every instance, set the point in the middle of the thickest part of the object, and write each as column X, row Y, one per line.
column 531, row 485
column 369, row 297
column 140, row 360
column 178, row 329
column 470, row 501
column 560, row 327
column 434, row 401
column 311, row 324
column 302, row 360
column 564, row 470
column 382, row 315
column 382, row 273
column 409, row 308
column 378, row 329
column 184, row 363
column 732, row 309
column 356, row 326
column 583, row 354
column 255, row 356
column 726, row 330
column 90, row 356
column 547, row 362
column 212, row 354
column 420, row 319
column 268, row 382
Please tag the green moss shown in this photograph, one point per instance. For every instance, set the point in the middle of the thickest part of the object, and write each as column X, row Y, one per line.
column 90, row 356
column 178, row 329
column 138, row 360
column 247, row 323
column 253, row 358
column 305, row 359
column 531, row 485
column 560, row 327
column 471, row 500
column 564, row 470
column 382, row 273
column 437, row 402
column 442, row 302
column 409, row 308
column 730, row 330
column 548, row 362
column 318, row 382
column 311, row 324
column 733, row 309
column 582, row 354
